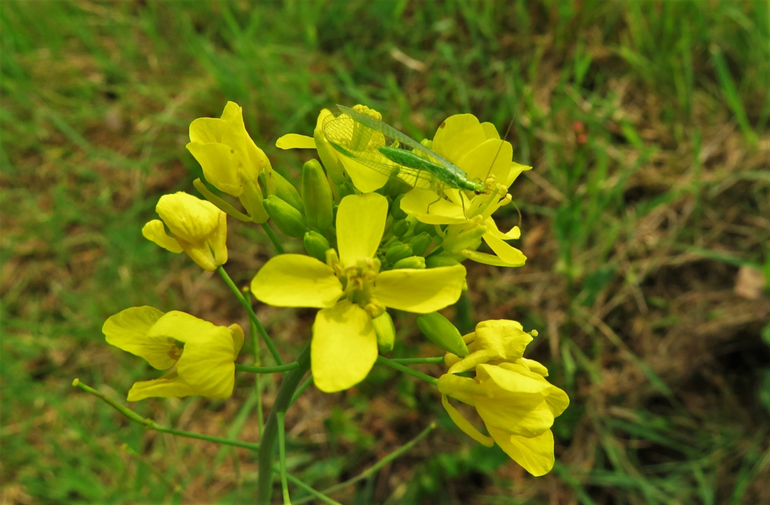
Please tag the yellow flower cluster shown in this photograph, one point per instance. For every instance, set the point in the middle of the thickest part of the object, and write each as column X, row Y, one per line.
column 374, row 243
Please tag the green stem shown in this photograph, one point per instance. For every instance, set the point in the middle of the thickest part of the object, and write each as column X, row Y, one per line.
column 407, row 370
column 267, row 369
column 376, row 467
column 269, row 437
column 282, row 457
column 418, row 361
column 257, row 377
column 301, row 389
column 152, row 425
column 310, row 490
column 252, row 316
column 273, row 238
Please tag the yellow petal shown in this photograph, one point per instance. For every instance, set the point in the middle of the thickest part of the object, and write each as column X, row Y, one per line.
column 237, row 333
column 514, row 234
column 295, row 280
column 490, row 131
column 484, row 258
column 504, row 251
column 189, row 218
column 207, row 363
column 514, row 171
column 534, row 454
column 168, row 386
column 128, row 330
column 233, row 114
column 179, row 325
column 464, row 424
column 428, row 208
column 420, row 291
column 457, row 135
column 154, row 231
column 207, row 130
column 344, row 347
column 507, row 338
column 363, row 177
column 360, row 224
column 295, row 141
column 220, row 166
column 490, row 157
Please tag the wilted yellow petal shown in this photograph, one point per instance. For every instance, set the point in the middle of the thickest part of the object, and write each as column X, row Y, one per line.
column 217, row 162
column 168, row 386
column 360, row 224
column 295, row 280
column 464, row 424
column 534, row 454
column 189, row 218
column 344, row 347
column 420, row 291
column 154, row 231
column 127, row 330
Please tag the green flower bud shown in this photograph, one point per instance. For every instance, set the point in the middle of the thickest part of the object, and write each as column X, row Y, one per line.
column 317, row 196
column 424, row 228
column 417, row 262
column 386, row 332
column 287, row 192
column 316, row 245
column 441, row 260
column 400, row 228
column 395, row 208
column 443, row 333
column 346, row 188
column 420, row 243
column 398, row 252
column 286, row 218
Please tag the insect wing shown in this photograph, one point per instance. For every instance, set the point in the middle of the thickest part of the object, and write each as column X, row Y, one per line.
column 360, row 141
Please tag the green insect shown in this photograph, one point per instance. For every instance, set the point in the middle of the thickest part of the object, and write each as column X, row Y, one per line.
column 386, row 150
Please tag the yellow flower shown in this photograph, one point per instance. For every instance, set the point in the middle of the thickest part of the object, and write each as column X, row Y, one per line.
column 351, row 290
column 364, row 178
column 198, row 227
column 230, row 159
column 510, row 393
column 203, row 365
column 477, row 149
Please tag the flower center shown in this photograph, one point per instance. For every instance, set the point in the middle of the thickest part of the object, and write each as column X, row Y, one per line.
column 358, row 282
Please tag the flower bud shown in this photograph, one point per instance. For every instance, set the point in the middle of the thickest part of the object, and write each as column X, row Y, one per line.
column 442, row 332
column 424, row 228
column 286, row 218
column 398, row 252
column 252, row 200
column 420, row 243
column 386, row 332
column 441, row 260
column 417, row 262
column 400, row 228
column 317, row 196
column 287, row 192
column 395, row 208
column 316, row 245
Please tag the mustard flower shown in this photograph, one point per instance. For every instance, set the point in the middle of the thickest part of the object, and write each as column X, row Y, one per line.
column 363, row 177
column 230, row 159
column 510, row 393
column 203, row 365
column 350, row 291
column 477, row 149
column 198, row 227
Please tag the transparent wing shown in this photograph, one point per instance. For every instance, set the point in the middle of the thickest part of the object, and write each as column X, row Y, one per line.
column 359, row 141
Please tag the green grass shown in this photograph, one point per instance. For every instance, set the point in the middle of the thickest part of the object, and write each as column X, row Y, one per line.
column 647, row 125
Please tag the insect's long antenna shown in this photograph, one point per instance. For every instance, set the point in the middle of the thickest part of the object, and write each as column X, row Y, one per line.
column 507, row 131
column 519, row 211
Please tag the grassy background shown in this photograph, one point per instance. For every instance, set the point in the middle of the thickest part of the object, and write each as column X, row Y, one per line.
column 646, row 219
